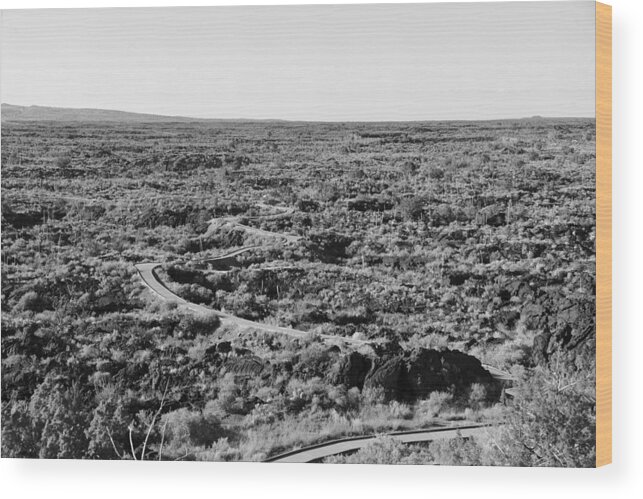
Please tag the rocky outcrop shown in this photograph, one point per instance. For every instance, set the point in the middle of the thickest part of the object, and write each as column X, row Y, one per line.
column 459, row 278
column 388, row 376
column 351, row 370
column 568, row 328
column 417, row 373
column 246, row 367
column 540, row 348
column 491, row 215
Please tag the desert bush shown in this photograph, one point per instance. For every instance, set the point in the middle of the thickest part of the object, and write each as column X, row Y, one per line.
column 551, row 422
column 55, row 420
column 435, row 404
column 108, row 430
column 183, row 426
column 477, row 395
column 228, row 399
column 192, row 325
column 411, row 208
column 436, row 173
column 63, row 161
column 31, row 302
column 20, row 437
column 409, row 167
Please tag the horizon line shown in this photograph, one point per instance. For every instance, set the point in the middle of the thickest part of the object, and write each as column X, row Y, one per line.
column 194, row 118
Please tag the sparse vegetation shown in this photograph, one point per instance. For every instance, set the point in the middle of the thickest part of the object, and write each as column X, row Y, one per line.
column 434, row 239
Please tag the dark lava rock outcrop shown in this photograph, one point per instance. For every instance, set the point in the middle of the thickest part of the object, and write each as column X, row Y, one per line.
column 246, row 367
column 491, row 215
column 568, row 328
column 419, row 372
column 351, row 370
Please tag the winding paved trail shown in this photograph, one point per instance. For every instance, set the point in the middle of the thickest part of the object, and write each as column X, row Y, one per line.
column 345, row 445
column 151, row 280
column 231, row 254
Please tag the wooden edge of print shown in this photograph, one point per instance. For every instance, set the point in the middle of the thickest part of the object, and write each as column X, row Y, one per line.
column 603, row 234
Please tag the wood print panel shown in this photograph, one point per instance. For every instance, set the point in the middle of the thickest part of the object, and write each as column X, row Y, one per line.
column 603, row 234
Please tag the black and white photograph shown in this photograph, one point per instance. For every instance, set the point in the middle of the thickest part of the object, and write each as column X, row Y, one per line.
column 348, row 234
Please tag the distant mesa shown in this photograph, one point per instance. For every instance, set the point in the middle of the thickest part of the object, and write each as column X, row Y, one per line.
column 11, row 112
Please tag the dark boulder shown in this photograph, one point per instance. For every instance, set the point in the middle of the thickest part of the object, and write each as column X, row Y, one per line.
column 334, row 350
column 491, row 215
column 246, row 367
column 423, row 369
column 459, row 278
column 388, row 376
column 460, row 371
column 224, row 347
column 569, row 330
column 418, row 373
column 540, row 348
column 507, row 318
column 351, row 370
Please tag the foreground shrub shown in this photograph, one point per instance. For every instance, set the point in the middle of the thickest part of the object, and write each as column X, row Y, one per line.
column 196, row 428
column 435, row 404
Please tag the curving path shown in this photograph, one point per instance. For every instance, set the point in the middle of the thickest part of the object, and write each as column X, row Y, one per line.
column 231, row 254
column 261, row 232
column 151, row 280
column 345, row 445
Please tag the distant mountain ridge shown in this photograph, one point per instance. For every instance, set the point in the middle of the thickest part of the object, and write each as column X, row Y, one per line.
column 10, row 112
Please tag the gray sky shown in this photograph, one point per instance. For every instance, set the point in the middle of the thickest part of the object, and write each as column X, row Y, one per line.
column 332, row 62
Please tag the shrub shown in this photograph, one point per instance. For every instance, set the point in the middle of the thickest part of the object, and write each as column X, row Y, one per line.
column 227, row 398
column 435, row 404
column 551, row 422
column 409, row 167
column 63, row 161
column 183, row 426
column 411, row 208
column 59, row 415
column 399, row 410
column 192, row 325
column 19, row 436
column 436, row 173
column 107, row 431
column 477, row 395
column 31, row 302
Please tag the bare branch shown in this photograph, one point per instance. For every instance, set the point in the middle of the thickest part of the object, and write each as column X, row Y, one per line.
column 131, row 443
column 109, row 434
column 156, row 415
column 162, row 439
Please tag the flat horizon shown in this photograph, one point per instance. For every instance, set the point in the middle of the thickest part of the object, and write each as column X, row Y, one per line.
column 183, row 117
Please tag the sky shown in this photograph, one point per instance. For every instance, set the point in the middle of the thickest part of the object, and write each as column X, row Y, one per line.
column 378, row 62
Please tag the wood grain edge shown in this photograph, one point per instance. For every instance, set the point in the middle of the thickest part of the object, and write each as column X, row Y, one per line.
column 603, row 234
